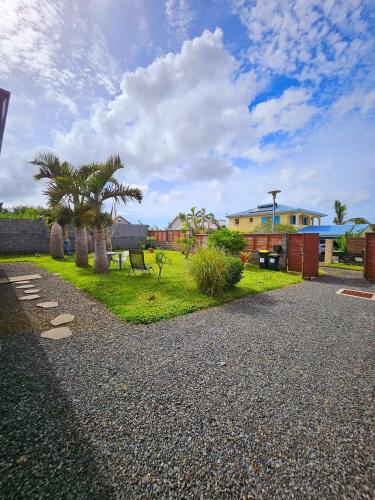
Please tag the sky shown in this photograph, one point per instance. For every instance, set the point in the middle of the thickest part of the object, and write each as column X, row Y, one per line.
column 210, row 103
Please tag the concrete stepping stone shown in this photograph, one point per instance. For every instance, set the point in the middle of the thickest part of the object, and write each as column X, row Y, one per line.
column 13, row 279
column 29, row 297
column 25, row 286
column 48, row 305
column 57, row 333
column 21, row 282
column 34, row 290
column 62, row 319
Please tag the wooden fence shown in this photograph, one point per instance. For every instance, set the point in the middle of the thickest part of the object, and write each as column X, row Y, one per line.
column 253, row 241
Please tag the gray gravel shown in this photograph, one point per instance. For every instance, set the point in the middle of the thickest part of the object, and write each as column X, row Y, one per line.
column 269, row 396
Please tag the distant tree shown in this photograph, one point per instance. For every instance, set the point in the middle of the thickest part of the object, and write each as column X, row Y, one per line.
column 266, row 228
column 340, row 212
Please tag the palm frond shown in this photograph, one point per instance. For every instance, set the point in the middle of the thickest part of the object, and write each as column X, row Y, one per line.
column 120, row 192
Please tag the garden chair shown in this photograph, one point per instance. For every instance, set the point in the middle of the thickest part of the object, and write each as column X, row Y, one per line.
column 137, row 262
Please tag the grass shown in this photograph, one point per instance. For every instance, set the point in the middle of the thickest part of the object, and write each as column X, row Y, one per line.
column 141, row 299
column 350, row 267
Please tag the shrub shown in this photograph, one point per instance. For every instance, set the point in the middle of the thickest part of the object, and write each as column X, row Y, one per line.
column 224, row 238
column 185, row 245
column 208, row 268
column 245, row 257
column 234, row 271
column 149, row 243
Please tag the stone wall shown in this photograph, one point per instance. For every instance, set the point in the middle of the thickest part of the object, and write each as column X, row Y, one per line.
column 23, row 236
column 32, row 236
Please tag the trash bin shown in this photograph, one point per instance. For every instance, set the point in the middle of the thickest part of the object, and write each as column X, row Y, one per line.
column 263, row 259
column 273, row 261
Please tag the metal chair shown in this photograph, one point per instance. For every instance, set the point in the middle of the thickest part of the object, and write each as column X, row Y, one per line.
column 137, row 262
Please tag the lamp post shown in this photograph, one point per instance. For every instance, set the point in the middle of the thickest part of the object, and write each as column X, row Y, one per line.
column 274, row 192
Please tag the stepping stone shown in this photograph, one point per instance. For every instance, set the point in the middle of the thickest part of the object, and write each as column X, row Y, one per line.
column 21, row 282
column 13, row 279
column 48, row 305
column 25, row 286
column 57, row 333
column 56, row 274
column 62, row 319
column 34, row 290
column 29, row 297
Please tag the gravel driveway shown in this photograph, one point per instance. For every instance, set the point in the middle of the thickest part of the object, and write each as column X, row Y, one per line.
column 270, row 396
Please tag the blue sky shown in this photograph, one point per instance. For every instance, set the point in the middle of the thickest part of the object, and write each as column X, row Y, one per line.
column 208, row 103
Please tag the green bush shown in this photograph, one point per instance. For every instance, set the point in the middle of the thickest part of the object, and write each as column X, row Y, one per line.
column 230, row 241
column 234, row 272
column 209, row 270
column 149, row 243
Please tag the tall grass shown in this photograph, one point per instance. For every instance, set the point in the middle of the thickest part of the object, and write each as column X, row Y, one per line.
column 208, row 268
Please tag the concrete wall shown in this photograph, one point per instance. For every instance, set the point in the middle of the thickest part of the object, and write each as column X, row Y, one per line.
column 29, row 236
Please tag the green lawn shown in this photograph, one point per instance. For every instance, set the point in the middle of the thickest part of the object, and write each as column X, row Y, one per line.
column 350, row 267
column 141, row 299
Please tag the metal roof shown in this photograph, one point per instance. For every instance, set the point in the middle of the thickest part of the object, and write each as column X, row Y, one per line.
column 279, row 209
column 335, row 230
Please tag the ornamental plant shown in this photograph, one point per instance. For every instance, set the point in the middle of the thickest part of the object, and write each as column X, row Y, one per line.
column 161, row 259
column 234, row 271
column 225, row 239
column 208, row 268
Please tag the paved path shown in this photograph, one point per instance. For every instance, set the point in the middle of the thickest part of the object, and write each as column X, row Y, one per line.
column 270, row 396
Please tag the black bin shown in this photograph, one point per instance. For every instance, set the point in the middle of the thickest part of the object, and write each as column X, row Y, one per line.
column 273, row 261
column 263, row 259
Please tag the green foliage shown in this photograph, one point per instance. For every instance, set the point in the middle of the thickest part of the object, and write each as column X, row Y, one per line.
column 340, row 212
column 198, row 221
column 225, row 239
column 234, row 271
column 208, row 268
column 185, row 245
column 128, row 296
column 149, row 242
column 266, row 228
column 161, row 259
column 26, row 212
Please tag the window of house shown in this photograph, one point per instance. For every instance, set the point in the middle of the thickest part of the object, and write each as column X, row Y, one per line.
column 277, row 219
column 293, row 219
column 237, row 221
column 265, row 220
column 250, row 219
column 305, row 221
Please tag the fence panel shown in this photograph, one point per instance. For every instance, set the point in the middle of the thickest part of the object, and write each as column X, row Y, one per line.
column 295, row 251
column 310, row 258
column 369, row 271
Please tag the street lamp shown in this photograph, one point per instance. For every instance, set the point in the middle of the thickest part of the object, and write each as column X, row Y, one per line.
column 274, row 192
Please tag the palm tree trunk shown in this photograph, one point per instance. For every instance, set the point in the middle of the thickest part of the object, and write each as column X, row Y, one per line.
column 90, row 243
column 56, row 242
column 81, row 245
column 101, row 260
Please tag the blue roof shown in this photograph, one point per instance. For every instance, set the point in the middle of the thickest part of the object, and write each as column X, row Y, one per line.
column 334, row 231
column 266, row 209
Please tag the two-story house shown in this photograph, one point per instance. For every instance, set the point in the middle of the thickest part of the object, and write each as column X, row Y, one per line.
column 248, row 220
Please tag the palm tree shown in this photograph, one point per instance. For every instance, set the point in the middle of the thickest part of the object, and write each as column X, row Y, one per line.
column 102, row 186
column 340, row 211
column 66, row 196
column 51, row 168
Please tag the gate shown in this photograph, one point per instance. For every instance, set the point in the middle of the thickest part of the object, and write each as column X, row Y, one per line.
column 303, row 254
column 369, row 269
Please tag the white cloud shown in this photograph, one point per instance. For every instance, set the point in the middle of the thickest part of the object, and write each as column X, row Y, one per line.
column 306, row 38
column 55, row 48
column 288, row 113
column 180, row 109
column 357, row 100
column 179, row 17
